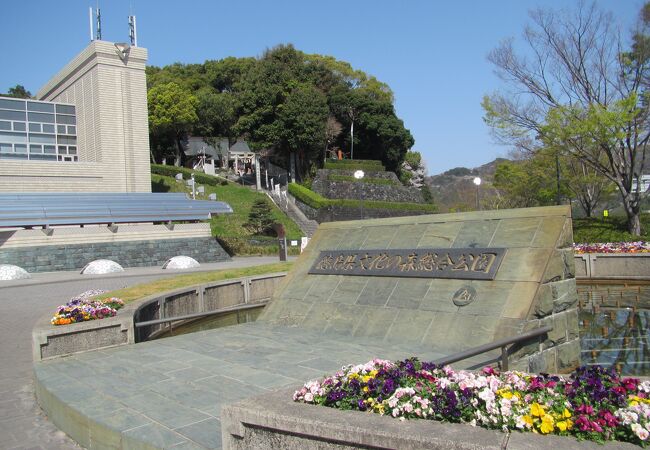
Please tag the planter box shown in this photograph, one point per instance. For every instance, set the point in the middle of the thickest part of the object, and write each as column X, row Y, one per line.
column 275, row 421
column 613, row 265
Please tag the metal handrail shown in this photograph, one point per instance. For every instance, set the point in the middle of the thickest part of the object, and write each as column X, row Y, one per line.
column 199, row 315
column 502, row 343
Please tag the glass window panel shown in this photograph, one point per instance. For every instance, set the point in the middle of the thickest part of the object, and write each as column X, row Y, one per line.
column 35, row 127
column 42, row 157
column 72, row 150
column 49, row 149
column 12, row 136
column 5, row 125
column 67, row 140
column 20, row 148
column 40, row 107
column 19, row 126
column 13, row 156
column 63, row 150
column 12, row 115
column 75, row 158
column 42, row 138
column 68, row 120
column 60, row 129
column 6, row 148
column 48, row 128
column 40, row 117
column 35, row 148
column 12, row 104
column 72, row 130
column 65, row 109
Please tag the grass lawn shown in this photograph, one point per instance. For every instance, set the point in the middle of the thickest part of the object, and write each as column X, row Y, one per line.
column 610, row 229
column 231, row 227
column 143, row 290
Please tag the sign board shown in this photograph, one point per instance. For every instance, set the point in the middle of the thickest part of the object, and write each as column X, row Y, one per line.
column 457, row 263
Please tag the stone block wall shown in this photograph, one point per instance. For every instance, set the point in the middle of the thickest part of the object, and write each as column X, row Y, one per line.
column 340, row 213
column 366, row 191
column 49, row 258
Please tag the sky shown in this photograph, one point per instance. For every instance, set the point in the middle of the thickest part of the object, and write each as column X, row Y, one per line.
column 432, row 53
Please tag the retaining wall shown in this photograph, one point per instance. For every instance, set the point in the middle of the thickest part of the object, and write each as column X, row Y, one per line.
column 613, row 265
column 50, row 341
column 71, row 248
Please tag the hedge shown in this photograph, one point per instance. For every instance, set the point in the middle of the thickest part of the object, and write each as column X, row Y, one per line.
column 171, row 171
column 370, row 180
column 354, row 164
column 316, row 201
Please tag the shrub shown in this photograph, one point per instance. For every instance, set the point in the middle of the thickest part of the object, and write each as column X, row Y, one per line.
column 369, row 180
column 355, row 164
column 260, row 217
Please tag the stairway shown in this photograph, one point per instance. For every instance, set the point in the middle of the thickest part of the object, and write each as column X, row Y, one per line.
column 287, row 204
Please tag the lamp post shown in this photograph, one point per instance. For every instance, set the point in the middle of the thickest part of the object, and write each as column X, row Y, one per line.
column 477, row 182
column 359, row 175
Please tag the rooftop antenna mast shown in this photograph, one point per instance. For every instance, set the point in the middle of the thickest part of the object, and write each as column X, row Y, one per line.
column 90, row 20
column 99, row 23
column 133, row 33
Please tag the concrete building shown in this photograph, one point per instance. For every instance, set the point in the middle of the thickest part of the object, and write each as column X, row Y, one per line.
column 88, row 131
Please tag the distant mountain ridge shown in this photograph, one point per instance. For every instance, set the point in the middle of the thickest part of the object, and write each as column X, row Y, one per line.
column 454, row 190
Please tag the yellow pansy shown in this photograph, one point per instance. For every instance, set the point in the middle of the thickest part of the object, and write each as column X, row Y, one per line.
column 566, row 413
column 537, row 410
column 505, row 393
column 547, row 424
column 365, row 389
column 353, row 376
column 562, row 425
column 528, row 419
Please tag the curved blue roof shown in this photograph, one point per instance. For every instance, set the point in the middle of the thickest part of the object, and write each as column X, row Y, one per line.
column 46, row 209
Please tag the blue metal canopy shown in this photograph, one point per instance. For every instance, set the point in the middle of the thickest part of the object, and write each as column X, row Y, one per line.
column 47, row 209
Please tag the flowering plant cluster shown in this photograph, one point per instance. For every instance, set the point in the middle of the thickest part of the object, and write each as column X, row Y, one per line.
column 613, row 247
column 592, row 403
column 82, row 308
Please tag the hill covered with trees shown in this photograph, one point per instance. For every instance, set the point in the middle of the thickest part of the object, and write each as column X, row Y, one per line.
column 286, row 101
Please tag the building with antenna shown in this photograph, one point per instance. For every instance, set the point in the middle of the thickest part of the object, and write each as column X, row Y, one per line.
column 88, row 129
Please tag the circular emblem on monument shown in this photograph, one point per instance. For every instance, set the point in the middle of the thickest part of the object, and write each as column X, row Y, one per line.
column 464, row 296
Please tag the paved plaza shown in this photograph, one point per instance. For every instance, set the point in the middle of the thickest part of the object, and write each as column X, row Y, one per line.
column 23, row 302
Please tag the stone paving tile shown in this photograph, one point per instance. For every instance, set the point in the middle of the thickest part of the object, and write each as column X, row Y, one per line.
column 153, row 434
column 206, row 433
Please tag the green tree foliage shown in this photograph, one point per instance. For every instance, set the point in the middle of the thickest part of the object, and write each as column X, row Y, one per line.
column 172, row 113
column 18, row 91
column 579, row 94
column 260, row 218
column 284, row 101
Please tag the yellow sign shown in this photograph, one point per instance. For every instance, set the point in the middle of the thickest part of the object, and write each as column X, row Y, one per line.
column 605, row 213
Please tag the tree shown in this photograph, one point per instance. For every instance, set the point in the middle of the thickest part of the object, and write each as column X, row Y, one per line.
column 19, row 91
column 333, row 129
column 172, row 113
column 260, row 217
column 578, row 92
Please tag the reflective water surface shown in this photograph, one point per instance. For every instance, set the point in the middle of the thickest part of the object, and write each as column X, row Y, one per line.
column 615, row 324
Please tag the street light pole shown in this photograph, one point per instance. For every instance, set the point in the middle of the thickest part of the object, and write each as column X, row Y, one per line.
column 477, row 182
column 359, row 174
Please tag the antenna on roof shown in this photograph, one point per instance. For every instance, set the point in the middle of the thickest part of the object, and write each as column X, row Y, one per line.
column 133, row 34
column 90, row 20
column 99, row 23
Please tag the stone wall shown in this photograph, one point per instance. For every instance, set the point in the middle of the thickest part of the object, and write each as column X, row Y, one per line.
column 366, row 191
column 49, row 258
column 340, row 213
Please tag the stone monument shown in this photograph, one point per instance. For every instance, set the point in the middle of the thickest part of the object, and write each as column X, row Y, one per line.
column 444, row 282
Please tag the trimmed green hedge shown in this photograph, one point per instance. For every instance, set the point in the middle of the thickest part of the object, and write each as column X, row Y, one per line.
column 307, row 196
column 355, row 164
column 171, row 171
column 316, row 201
column 370, row 180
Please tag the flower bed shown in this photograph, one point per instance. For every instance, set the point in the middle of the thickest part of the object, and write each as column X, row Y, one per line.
column 613, row 247
column 592, row 403
column 82, row 308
